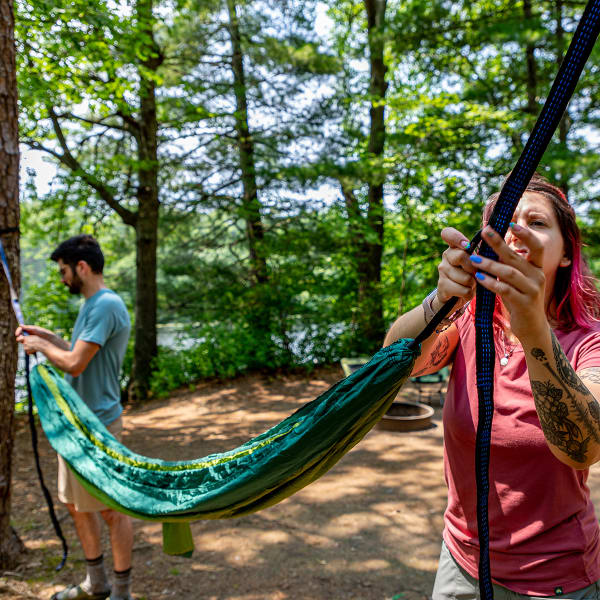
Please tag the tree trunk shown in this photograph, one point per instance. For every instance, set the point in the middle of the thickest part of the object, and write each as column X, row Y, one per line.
column 10, row 544
column 370, row 298
column 260, row 307
column 146, row 227
column 250, row 203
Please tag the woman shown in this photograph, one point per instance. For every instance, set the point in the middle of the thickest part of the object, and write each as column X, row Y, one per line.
column 544, row 535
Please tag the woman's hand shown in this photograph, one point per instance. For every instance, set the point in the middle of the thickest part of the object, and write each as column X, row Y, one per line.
column 518, row 278
column 456, row 271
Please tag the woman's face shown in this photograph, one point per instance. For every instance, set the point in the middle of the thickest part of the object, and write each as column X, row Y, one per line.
column 535, row 212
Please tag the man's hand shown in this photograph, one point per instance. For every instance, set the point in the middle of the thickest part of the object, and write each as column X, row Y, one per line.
column 44, row 334
column 32, row 343
column 34, row 330
column 73, row 361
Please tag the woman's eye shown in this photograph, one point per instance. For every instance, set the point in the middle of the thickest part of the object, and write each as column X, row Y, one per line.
column 537, row 223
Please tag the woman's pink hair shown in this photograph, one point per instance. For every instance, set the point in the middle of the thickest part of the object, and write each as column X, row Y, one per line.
column 576, row 297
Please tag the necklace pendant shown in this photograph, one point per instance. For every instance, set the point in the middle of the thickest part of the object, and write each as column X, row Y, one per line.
column 504, row 360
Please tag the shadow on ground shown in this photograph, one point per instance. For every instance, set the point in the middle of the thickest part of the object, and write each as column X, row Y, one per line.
column 370, row 529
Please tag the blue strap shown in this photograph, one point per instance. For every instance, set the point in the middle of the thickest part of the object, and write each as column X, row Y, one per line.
column 560, row 94
column 14, row 299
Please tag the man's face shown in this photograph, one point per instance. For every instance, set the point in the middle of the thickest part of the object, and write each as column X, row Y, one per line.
column 69, row 277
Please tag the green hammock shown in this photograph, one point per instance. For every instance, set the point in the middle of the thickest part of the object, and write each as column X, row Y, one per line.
column 258, row 474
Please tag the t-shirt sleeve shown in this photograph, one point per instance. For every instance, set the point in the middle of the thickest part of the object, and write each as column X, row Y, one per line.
column 100, row 325
column 587, row 353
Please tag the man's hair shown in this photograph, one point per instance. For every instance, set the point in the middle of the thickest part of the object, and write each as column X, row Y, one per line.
column 80, row 247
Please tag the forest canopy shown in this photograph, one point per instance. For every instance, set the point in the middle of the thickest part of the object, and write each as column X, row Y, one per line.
column 268, row 181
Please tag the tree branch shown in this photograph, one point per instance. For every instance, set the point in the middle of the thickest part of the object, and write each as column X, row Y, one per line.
column 102, row 122
column 66, row 158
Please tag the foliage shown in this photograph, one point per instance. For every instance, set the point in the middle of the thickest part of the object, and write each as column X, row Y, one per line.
column 465, row 83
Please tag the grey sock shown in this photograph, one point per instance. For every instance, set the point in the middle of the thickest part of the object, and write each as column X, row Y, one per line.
column 96, row 581
column 121, row 584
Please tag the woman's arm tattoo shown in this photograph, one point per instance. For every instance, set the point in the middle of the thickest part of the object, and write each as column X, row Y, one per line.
column 560, row 431
column 438, row 354
column 552, row 404
column 565, row 369
column 592, row 375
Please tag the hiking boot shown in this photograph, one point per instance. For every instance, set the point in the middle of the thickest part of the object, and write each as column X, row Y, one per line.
column 76, row 592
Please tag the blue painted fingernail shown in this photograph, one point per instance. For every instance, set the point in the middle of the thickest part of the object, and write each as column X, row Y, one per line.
column 515, row 227
column 480, row 276
column 464, row 244
column 490, row 233
column 475, row 258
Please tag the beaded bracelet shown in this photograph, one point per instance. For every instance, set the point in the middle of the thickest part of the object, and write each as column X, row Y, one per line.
column 429, row 312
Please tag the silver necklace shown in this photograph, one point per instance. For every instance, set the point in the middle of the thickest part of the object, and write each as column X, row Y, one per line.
column 507, row 353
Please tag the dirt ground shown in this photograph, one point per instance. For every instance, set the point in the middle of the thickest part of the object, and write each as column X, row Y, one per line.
column 368, row 530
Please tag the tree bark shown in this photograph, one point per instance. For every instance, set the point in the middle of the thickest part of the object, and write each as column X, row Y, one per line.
column 370, row 298
column 260, row 307
column 146, row 227
column 250, row 202
column 10, row 545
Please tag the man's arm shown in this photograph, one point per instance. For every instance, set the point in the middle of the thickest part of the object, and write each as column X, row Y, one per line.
column 566, row 402
column 73, row 362
column 45, row 334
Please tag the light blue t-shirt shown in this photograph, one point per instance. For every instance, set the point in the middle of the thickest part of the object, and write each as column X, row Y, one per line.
column 103, row 320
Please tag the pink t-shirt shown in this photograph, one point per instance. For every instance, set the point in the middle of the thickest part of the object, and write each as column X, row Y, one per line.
column 543, row 530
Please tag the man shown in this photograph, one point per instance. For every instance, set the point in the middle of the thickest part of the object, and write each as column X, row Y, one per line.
column 92, row 363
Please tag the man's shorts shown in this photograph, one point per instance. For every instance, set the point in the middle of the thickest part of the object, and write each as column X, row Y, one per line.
column 70, row 491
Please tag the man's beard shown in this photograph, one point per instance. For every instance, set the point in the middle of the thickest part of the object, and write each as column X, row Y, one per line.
column 75, row 285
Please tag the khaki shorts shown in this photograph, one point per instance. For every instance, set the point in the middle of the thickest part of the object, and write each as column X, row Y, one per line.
column 70, row 491
column 452, row 582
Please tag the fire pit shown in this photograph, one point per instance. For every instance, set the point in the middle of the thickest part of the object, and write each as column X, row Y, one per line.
column 401, row 415
column 406, row 416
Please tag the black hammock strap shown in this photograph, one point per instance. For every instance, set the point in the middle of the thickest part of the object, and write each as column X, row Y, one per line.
column 36, row 454
column 34, row 439
column 564, row 85
column 5, row 230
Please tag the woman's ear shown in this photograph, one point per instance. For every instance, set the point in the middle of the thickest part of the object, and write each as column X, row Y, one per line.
column 565, row 261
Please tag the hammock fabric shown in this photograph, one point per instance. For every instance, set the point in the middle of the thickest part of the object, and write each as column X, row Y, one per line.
column 260, row 473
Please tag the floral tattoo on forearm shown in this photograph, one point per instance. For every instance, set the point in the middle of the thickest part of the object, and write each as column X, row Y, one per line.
column 437, row 356
column 552, row 404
